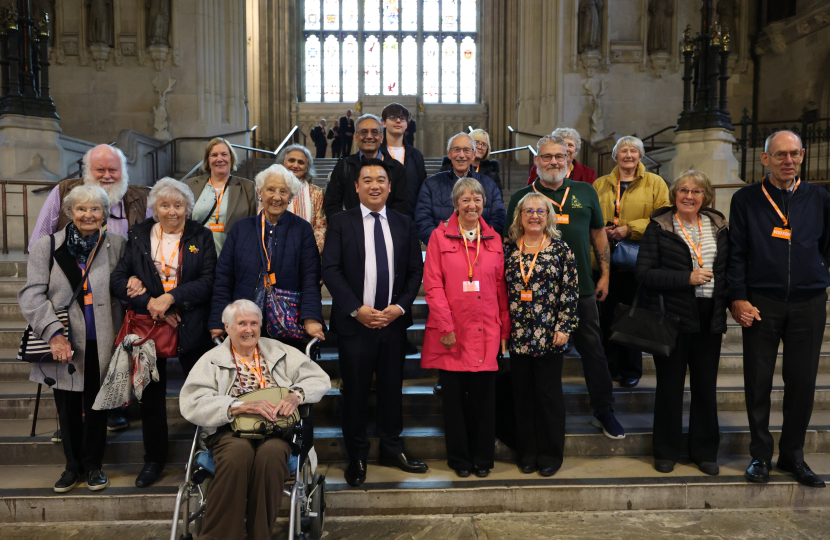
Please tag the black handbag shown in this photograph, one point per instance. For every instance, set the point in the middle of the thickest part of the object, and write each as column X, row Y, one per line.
column 643, row 329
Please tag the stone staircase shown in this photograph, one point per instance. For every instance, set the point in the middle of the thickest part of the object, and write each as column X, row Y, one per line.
column 599, row 474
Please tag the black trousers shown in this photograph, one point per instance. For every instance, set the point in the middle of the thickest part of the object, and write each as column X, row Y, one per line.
column 189, row 358
column 469, row 404
column 700, row 351
column 800, row 325
column 335, row 150
column 346, row 146
column 622, row 361
column 362, row 355
column 540, row 409
column 153, row 407
column 588, row 342
column 83, row 429
column 320, row 151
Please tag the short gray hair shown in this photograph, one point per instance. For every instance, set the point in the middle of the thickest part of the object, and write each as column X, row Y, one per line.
column 170, row 188
column 569, row 133
column 291, row 182
column 240, row 306
column 311, row 172
column 466, row 184
column 628, row 140
column 368, row 116
column 462, row 134
column 550, row 139
column 125, row 177
column 84, row 194
column 769, row 140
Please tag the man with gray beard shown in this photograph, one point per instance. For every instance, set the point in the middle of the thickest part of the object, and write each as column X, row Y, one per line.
column 104, row 166
column 579, row 218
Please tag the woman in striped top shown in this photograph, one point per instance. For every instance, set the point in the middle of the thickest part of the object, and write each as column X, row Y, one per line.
column 683, row 257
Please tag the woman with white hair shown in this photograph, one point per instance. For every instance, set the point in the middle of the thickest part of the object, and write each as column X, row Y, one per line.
column 273, row 252
column 57, row 263
column 576, row 170
column 627, row 197
column 308, row 204
column 167, row 272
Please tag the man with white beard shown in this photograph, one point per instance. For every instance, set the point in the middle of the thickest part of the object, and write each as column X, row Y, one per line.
column 579, row 218
column 104, row 166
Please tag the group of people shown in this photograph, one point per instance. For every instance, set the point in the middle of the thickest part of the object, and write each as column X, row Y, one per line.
column 342, row 133
column 206, row 256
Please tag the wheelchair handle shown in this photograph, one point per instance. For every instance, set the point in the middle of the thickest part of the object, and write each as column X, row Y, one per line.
column 309, row 346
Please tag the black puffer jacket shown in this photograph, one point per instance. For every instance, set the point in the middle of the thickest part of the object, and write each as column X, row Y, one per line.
column 664, row 265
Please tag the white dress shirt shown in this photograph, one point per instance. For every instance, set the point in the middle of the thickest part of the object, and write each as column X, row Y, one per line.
column 370, row 275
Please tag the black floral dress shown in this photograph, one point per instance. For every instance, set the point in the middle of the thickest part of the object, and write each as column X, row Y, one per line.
column 553, row 307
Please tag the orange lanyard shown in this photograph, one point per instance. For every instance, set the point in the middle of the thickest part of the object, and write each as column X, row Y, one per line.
column 260, row 378
column 219, row 194
column 478, row 246
column 696, row 249
column 267, row 257
column 161, row 252
column 533, row 262
column 556, row 204
column 785, row 219
column 85, row 273
column 617, row 206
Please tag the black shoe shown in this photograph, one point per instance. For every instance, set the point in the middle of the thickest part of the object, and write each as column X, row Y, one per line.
column 663, row 465
column 148, row 475
column 68, row 481
column 527, row 469
column 410, row 349
column 548, row 471
column 709, row 467
column 116, row 420
column 356, row 472
column 404, row 464
column 437, row 388
column 757, row 472
column 802, row 473
column 57, row 437
column 96, row 480
column 481, row 472
column 462, row 473
column 630, row 382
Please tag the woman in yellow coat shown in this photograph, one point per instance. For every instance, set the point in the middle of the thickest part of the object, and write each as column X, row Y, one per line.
column 627, row 197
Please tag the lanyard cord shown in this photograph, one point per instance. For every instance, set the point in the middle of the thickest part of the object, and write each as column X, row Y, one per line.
column 533, row 262
column 696, row 249
column 556, row 204
column 161, row 251
column 219, row 195
column 260, row 378
column 785, row 219
column 267, row 257
column 478, row 246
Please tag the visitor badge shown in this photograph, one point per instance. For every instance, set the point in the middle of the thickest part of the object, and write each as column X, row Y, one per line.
column 88, row 299
column 616, row 221
column 272, row 278
column 470, row 286
column 784, row 234
column 563, row 219
column 169, row 285
column 216, row 227
column 527, row 296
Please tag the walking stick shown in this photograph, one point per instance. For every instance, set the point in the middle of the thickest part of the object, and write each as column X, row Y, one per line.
column 37, row 406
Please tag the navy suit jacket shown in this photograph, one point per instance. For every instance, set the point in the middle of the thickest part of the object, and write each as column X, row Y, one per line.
column 344, row 260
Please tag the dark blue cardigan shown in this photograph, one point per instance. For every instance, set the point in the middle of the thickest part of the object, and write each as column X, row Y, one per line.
column 296, row 265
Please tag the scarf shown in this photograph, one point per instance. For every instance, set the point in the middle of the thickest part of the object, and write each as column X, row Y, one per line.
column 301, row 205
column 78, row 246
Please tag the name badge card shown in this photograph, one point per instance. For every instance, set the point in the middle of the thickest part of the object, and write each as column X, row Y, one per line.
column 563, row 219
column 784, row 234
column 527, row 296
column 273, row 278
column 216, row 227
column 88, row 299
column 616, row 221
column 168, row 285
column 470, row 286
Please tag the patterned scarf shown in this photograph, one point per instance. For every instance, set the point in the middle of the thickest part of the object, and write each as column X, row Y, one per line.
column 301, row 205
column 78, row 246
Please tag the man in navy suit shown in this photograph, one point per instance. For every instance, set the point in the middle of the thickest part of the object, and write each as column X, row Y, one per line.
column 372, row 266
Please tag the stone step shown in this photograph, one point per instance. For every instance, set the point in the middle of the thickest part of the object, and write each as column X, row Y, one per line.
column 582, row 484
column 424, row 439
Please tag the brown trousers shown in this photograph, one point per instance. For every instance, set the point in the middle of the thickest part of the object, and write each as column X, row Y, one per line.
column 250, row 476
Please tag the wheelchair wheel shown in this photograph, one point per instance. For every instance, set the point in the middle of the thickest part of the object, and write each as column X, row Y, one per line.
column 317, row 507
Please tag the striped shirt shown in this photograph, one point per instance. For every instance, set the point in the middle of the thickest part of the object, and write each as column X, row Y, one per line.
column 708, row 248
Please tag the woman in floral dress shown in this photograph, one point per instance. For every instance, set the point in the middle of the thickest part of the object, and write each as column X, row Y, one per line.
column 542, row 294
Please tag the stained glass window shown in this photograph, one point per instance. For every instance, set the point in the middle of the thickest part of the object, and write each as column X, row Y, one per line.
column 409, row 66
column 428, row 48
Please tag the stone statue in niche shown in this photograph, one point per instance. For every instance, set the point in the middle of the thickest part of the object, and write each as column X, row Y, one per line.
column 160, row 110
column 45, row 7
column 597, row 114
column 99, row 22
column 589, row 36
column 158, row 22
column 727, row 11
column 659, row 26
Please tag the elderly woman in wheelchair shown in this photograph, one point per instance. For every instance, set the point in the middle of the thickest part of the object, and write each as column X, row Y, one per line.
column 244, row 395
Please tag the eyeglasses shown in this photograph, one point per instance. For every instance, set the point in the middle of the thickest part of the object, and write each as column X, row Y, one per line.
column 547, row 158
column 395, row 118
column 459, row 150
column 366, row 132
column 796, row 155
column 482, row 145
column 696, row 193
column 541, row 212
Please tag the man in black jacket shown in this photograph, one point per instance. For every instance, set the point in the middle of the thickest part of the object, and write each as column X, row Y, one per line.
column 780, row 248
column 346, row 133
column 395, row 120
column 340, row 192
column 373, row 268
column 318, row 135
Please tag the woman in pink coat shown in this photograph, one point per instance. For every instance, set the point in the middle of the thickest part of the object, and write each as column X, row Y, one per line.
column 467, row 298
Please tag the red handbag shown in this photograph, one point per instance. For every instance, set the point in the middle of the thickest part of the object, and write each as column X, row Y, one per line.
column 163, row 335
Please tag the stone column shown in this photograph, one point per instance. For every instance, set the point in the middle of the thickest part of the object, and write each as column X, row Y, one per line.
column 29, row 148
column 499, row 65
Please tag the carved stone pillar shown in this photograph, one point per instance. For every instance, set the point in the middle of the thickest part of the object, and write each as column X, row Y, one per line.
column 499, row 54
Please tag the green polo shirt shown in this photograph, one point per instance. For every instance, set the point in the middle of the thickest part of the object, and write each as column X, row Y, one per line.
column 584, row 213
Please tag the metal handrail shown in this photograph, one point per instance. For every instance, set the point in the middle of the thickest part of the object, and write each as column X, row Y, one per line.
column 285, row 140
column 517, row 132
column 24, row 215
column 644, row 139
column 173, row 157
column 528, row 147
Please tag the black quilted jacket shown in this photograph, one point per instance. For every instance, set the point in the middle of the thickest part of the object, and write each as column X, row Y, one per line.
column 665, row 264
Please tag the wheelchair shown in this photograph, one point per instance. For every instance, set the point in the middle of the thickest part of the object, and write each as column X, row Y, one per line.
column 305, row 490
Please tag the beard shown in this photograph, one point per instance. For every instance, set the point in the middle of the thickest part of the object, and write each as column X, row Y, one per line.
column 552, row 178
column 115, row 191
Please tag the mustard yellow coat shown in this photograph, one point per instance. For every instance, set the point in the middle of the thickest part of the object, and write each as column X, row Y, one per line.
column 646, row 193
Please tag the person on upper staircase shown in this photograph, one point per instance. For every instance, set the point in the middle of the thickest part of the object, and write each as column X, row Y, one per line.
column 395, row 120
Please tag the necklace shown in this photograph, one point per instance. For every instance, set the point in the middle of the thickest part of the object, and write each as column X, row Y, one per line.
column 537, row 245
